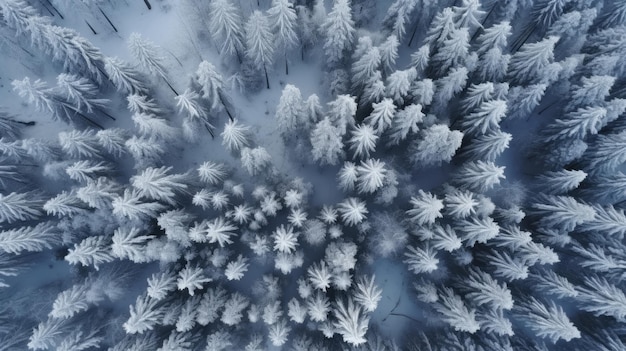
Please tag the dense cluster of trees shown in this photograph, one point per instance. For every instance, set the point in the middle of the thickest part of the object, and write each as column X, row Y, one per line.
column 491, row 266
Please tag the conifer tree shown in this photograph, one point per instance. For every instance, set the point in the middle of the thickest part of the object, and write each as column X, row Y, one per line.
column 389, row 53
column 289, row 111
column 398, row 16
column 454, row 312
column 20, row 206
column 31, row 239
column 124, row 76
column 226, row 26
column 235, row 135
column 260, row 43
column 485, row 118
column 363, row 141
column 560, row 182
column 487, row 147
column 339, row 31
column 548, row 321
column 351, row 322
column 283, row 17
column 326, row 142
column 146, row 53
column 529, row 63
column 494, row 37
column 562, row 212
column 381, row 118
column 438, row 144
column 605, row 153
column 577, row 124
column 399, row 84
column 426, row 208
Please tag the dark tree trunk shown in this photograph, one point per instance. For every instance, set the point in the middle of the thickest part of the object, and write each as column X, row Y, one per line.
column 90, row 27
column 107, row 18
column 147, row 4
column 286, row 64
column 267, row 79
column 55, row 9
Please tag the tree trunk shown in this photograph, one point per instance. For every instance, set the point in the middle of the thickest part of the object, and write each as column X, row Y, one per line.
column 55, row 9
column 90, row 27
column 225, row 107
column 267, row 79
column 171, row 87
column 286, row 64
column 107, row 18
column 147, row 4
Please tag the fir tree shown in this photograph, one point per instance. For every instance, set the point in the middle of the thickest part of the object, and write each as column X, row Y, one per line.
column 487, row 147
column 351, row 322
column 20, row 206
column 529, row 63
column 235, row 135
column 259, row 43
column 548, row 321
column 283, row 17
column 158, row 184
column 363, row 141
column 560, row 182
column 125, row 77
column 226, row 26
column 339, row 31
column 32, row 239
column 146, row 53
column 326, row 142
column 562, row 212
column 438, row 144
column 479, row 176
column 454, row 312
column 289, row 111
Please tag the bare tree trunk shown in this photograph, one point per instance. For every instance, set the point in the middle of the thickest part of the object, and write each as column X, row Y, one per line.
column 90, row 27
column 267, row 80
column 107, row 18
column 55, row 9
column 286, row 64
column 147, row 4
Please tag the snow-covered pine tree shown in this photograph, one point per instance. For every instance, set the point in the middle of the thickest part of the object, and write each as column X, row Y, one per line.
column 289, row 111
column 339, row 32
column 440, row 28
column 353, row 211
column 341, row 112
column 283, row 19
column 191, row 278
column 381, row 118
column 561, row 212
column 80, row 92
column 600, row 297
column 233, row 309
column 146, row 53
column 479, row 176
column 351, row 321
column 124, row 76
column 527, row 66
column 226, row 26
column 20, row 206
column 367, row 293
column 494, row 37
column 92, row 251
column 129, row 243
column 260, row 43
column 158, row 184
column 450, row 85
column 235, row 135
column 152, row 126
column 605, row 153
column 560, row 182
column 577, row 124
column 506, row 266
column 482, row 289
column 454, row 311
column 421, row 259
column 32, row 239
column 131, row 206
column 399, row 84
column 194, row 114
column 145, row 151
column 438, row 144
column 366, row 61
column 255, row 160
column 370, row 176
column 398, row 16
column 363, row 141
column 406, row 121
column 493, row 65
column 548, row 321
column 64, row 204
column 486, row 117
column 144, row 315
column 426, row 208
column 85, row 171
column 477, row 230
column 48, row 100
column 327, row 143
column 453, row 51
column 487, row 147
